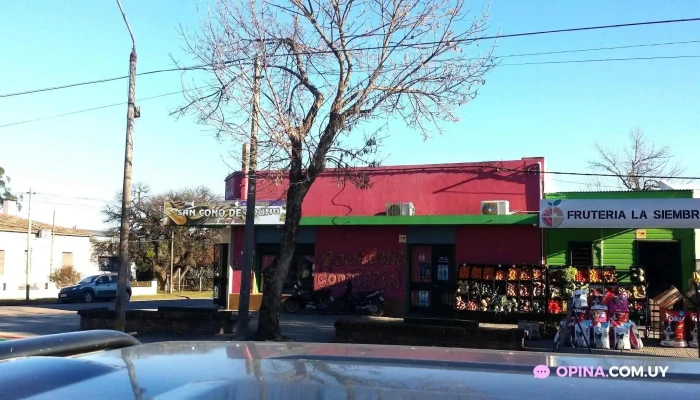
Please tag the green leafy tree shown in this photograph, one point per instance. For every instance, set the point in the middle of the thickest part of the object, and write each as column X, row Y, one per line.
column 149, row 241
column 5, row 192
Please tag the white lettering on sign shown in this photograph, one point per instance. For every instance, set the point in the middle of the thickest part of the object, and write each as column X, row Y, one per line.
column 620, row 213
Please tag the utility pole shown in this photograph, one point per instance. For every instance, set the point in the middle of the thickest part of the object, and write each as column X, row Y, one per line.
column 29, row 246
column 172, row 258
column 132, row 112
column 249, row 248
column 53, row 229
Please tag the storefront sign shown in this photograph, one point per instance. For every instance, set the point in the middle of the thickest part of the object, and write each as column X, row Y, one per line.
column 187, row 213
column 622, row 213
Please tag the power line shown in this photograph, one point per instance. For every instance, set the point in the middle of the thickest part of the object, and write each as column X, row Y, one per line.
column 73, row 197
column 392, row 46
column 632, row 46
column 506, row 64
column 89, row 109
column 601, row 60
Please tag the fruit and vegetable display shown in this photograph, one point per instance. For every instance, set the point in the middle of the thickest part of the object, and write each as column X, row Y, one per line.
column 502, row 288
column 600, row 282
column 549, row 289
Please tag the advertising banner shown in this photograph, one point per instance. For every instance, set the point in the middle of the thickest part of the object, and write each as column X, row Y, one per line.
column 620, row 213
column 188, row 213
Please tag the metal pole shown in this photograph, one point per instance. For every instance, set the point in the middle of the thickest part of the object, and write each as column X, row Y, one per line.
column 124, row 263
column 53, row 229
column 249, row 248
column 28, row 267
column 172, row 258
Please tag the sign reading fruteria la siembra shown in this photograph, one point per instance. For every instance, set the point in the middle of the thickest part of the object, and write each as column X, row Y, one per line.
column 189, row 213
column 620, row 213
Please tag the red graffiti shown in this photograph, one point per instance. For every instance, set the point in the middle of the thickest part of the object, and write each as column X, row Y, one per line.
column 372, row 257
column 375, row 279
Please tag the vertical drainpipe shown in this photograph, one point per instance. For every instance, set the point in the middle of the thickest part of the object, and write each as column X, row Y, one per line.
column 540, row 178
column 602, row 249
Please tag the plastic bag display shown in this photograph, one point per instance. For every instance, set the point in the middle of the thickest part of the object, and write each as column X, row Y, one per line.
column 635, row 339
column 601, row 335
column 583, row 334
column 693, row 329
column 673, row 328
column 580, row 299
column 622, row 337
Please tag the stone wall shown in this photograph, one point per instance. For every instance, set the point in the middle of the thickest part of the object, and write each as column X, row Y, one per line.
column 397, row 332
column 172, row 321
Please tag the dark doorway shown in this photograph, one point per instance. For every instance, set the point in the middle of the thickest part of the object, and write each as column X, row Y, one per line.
column 432, row 279
column 223, row 278
column 662, row 263
column 301, row 269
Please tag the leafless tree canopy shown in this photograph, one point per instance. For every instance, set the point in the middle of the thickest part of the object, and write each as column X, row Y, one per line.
column 636, row 163
column 328, row 65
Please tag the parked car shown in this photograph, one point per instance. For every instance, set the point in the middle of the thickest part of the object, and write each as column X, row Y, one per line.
column 92, row 288
column 114, row 365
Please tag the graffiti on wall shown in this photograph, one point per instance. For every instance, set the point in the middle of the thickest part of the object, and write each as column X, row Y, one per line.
column 368, row 270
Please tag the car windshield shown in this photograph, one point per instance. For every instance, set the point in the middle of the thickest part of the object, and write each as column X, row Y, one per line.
column 89, row 279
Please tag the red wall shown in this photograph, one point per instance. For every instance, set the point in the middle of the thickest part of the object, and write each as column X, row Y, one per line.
column 236, row 256
column 498, row 244
column 372, row 258
column 438, row 189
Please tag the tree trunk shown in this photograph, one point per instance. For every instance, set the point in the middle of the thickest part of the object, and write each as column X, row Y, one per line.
column 275, row 275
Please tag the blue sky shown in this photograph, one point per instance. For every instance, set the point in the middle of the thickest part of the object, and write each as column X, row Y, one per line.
column 555, row 111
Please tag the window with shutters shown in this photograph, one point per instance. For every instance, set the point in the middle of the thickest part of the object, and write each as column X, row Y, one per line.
column 2, row 262
column 580, row 254
column 66, row 260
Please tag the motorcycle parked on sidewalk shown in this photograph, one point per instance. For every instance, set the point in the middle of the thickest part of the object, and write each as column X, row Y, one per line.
column 308, row 299
column 371, row 302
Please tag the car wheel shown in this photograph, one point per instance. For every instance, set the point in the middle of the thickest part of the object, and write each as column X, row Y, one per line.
column 88, row 297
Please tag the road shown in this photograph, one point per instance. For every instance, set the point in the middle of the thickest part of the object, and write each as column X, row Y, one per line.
column 34, row 320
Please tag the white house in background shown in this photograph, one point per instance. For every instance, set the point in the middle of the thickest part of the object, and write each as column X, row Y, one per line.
column 71, row 247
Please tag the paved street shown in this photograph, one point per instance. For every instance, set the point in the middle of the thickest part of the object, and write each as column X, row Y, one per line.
column 57, row 318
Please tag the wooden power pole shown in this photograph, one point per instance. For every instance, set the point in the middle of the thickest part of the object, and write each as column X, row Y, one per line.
column 131, row 114
column 249, row 247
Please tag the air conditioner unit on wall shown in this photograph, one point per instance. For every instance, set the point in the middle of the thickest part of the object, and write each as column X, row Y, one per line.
column 403, row 209
column 495, row 207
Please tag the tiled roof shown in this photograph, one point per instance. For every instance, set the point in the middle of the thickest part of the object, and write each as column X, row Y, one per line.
column 9, row 223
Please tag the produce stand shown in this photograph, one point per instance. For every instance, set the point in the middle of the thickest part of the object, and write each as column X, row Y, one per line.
column 501, row 292
column 504, row 293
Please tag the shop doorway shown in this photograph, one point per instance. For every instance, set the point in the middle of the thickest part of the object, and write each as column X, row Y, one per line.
column 301, row 269
column 433, row 282
column 662, row 263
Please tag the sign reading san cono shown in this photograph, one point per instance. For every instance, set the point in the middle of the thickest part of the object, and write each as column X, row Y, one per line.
column 230, row 213
column 620, row 213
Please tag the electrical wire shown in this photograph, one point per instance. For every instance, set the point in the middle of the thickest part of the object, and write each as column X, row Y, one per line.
column 91, row 109
column 392, row 46
column 502, row 64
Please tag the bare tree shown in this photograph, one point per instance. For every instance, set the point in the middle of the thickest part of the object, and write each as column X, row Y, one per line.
column 635, row 167
column 330, row 67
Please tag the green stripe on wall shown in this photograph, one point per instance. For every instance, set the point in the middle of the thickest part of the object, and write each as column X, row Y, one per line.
column 522, row 219
column 650, row 194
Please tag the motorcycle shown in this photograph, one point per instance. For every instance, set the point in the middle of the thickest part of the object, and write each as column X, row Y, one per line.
column 371, row 302
column 308, row 299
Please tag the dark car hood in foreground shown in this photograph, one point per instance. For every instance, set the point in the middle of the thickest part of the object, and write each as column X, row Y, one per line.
column 245, row 370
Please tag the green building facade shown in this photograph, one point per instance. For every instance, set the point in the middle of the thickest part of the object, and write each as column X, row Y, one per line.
column 670, row 251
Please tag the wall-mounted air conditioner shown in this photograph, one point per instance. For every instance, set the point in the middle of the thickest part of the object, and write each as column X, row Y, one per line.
column 495, row 207
column 402, row 209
